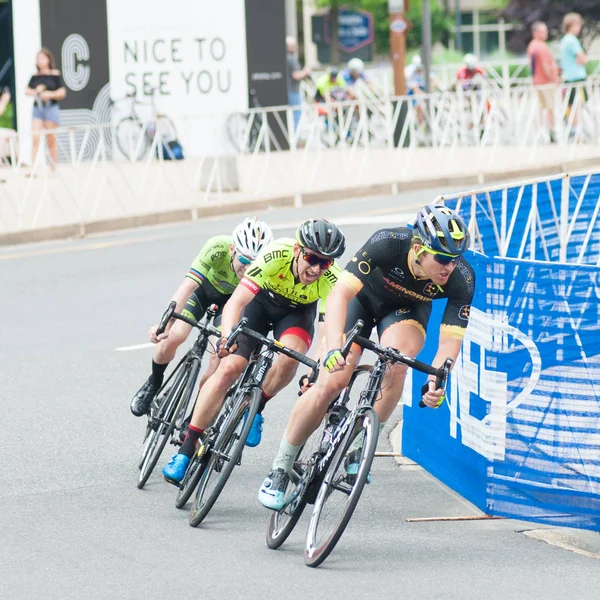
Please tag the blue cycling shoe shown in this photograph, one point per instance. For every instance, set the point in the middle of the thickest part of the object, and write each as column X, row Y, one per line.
column 255, row 434
column 175, row 469
column 352, row 464
column 272, row 491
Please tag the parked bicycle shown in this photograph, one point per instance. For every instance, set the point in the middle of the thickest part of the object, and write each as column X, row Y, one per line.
column 224, row 441
column 176, row 398
column 135, row 137
column 320, row 474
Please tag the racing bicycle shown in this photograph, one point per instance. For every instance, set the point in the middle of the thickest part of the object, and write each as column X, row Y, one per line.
column 222, row 446
column 320, row 474
column 176, row 397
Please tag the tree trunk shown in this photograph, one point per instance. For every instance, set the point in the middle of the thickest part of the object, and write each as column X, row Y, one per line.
column 335, row 33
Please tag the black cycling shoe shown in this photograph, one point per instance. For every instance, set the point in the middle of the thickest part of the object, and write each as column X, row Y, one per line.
column 143, row 399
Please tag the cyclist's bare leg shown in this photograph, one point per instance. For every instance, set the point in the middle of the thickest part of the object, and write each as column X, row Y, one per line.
column 212, row 394
column 165, row 350
column 311, row 407
column 284, row 368
column 213, row 365
column 407, row 337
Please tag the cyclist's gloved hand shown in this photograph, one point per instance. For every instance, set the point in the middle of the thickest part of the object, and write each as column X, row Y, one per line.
column 334, row 361
column 431, row 397
column 304, row 383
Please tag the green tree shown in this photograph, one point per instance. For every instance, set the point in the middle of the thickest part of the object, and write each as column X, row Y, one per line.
column 526, row 12
column 440, row 22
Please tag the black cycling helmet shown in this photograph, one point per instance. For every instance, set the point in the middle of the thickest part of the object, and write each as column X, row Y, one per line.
column 442, row 230
column 333, row 72
column 322, row 237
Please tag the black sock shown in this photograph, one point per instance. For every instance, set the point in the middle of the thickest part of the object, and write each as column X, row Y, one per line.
column 189, row 444
column 158, row 372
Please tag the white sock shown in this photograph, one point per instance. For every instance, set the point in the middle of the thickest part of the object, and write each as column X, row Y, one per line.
column 286, row 456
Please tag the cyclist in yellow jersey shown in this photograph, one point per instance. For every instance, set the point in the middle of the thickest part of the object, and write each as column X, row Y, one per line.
column 212, row 278
column 280, row 292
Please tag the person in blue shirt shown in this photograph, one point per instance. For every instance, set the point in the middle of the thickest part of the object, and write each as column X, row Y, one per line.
column 573, row 60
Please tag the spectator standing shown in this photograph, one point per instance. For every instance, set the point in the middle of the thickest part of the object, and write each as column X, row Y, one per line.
column 545, row 72
column 48, row 89
column 295, row 75
column 5, row 134
column 573, row 60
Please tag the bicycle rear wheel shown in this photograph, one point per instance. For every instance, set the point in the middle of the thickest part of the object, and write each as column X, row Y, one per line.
column 339, row 493
column 282, row 522
column 201, row 457
column 163, row 424
column 225, row 454
column 132, row 139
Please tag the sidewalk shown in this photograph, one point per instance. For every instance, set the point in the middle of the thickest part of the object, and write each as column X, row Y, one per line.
column 579, row 541
column 104, row 196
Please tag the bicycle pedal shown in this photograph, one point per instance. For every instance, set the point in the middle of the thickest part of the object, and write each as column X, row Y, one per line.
column 173, row 482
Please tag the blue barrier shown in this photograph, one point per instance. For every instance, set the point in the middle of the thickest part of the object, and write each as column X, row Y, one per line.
column 520, row 433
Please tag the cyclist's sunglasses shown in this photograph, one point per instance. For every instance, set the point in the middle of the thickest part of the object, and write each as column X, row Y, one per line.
column 243, row 259
column 313, row 260
column 440, row 258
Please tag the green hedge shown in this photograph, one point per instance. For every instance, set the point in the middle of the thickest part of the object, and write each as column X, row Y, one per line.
column 6, row 119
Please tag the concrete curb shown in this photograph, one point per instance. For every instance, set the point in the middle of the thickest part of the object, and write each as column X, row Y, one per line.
column 396, row 442
column 193, row 213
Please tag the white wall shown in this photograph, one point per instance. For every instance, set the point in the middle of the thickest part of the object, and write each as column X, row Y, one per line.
column 192, row 51
column 27, row 43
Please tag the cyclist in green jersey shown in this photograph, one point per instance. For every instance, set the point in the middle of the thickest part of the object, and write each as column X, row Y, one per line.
column 212, row 278
column 280, row 292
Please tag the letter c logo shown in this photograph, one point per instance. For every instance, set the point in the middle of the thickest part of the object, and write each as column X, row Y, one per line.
column 75, row 51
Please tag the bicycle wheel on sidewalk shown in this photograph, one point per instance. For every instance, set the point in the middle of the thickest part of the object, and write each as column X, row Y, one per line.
column 339, row 493
column 226, row 453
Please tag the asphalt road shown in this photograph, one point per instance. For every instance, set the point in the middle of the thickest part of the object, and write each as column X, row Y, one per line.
column 73, row 524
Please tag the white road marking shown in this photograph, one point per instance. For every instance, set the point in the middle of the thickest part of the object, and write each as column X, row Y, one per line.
column 394, row 219
column 134, row 347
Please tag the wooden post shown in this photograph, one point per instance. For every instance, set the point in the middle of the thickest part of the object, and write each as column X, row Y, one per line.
column 399, row 25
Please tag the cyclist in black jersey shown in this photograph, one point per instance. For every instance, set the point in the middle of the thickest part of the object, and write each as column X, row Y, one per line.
column 389, row 284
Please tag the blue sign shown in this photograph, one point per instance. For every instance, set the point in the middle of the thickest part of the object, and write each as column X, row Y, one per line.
column 520, row 432
column 355, row 29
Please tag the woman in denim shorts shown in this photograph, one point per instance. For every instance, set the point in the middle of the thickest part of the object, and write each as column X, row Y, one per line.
column 48, row 89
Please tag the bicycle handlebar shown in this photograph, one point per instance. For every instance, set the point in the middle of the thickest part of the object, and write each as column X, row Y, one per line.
column 441, row 374
column 275, row 345
column 171, row 314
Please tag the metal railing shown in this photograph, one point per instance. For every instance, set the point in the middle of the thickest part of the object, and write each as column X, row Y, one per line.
column 335, row 146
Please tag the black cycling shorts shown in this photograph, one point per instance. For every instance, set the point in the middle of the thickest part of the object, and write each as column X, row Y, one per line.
column 418, row 312
column 574, row 91
column 201, row 299
column 264, row 315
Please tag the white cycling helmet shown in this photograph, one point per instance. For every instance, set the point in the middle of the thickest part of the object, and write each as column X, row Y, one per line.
column 471, row 61
column 251, row 236
column 356, row 65
column 416, row 60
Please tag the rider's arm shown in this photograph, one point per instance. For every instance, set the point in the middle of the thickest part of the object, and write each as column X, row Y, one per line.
column 184, row 291
column 337, row 308
column 232, row 312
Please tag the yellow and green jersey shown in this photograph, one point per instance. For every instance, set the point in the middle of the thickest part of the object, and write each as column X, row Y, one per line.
column 271, row 272
column 213, row 264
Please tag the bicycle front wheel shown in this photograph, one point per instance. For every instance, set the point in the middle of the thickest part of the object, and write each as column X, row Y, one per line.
column 164, row 422
column 340, row 491
column 282, row 522
column 225, row 454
